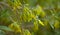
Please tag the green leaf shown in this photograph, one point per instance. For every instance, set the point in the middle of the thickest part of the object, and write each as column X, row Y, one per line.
column 5, row 28
column 2, row 32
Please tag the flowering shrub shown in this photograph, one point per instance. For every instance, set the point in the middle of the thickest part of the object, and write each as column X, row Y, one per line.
column 29, row 17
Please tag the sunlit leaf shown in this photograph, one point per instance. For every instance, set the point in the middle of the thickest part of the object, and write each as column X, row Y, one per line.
column 41, row 23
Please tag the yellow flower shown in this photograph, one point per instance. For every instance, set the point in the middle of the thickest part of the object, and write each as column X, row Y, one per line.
column 56, row 24
column 15, row 27
column 42, row 14
column 26, row 32
column 35, row 27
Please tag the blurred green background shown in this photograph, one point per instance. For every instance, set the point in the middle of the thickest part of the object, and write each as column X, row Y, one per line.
column 29, row 17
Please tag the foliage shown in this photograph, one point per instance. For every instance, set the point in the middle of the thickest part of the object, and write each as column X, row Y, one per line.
column 30, row 17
